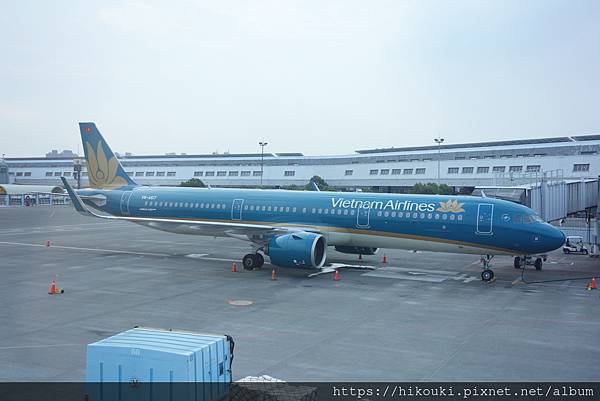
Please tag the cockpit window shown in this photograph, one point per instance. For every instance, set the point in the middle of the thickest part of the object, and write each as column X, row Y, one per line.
column 520, row 218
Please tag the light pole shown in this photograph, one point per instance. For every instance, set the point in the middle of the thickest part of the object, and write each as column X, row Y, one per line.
column 262, row 160
column 439, row 141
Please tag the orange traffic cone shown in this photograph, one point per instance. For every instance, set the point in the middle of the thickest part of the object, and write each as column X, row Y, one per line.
column 384, row 258
column 47, row 242
column 336, row 276
column 52, row 289
column 273, row 275
column 593, row 284
column 233, row 268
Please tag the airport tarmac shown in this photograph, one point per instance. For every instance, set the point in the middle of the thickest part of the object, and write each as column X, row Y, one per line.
column 421, row 317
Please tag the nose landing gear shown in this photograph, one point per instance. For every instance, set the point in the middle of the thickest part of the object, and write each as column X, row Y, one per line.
column 487, row 274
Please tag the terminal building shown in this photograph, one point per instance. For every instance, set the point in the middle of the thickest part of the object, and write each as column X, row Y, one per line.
column 462, row 166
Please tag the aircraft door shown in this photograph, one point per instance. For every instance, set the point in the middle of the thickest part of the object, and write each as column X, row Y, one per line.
column 362, row 217
column 236, row 209
column 125, row 203
column 485, row 214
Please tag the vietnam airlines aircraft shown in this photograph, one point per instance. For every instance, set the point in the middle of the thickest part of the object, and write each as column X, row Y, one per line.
column 294, row 228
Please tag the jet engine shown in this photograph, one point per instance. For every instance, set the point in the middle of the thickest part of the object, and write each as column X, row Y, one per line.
column 299, row 249
column 356, row 250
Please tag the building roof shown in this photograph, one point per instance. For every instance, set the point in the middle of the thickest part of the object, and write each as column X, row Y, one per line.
column 538, row 141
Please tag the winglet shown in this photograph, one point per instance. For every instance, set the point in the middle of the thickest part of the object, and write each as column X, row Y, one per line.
column 75, row 199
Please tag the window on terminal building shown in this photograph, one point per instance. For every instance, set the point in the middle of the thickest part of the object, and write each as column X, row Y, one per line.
column 210, row 174
column 483, row 170
column 67, row 174
column 420, row 171
column 385, row 171
column 48, row 173
column 499, row 169
column 257, row 173
column 534, row 169
column 467, row 170
column 19, row 174
column 221, row 173
column 198, row 173
column 149, row 173
column 233, row 173
column 27, row 174
column 160, row 173
column 57, row 173
column 289, row 173
column 396, row 171
column 348, row 172
column 581, row 167
column 515, row 169
column 245, row 173
column 170, row 173
column 407, row 171
column 374, row 172
column 452, row 170
column 139, row 173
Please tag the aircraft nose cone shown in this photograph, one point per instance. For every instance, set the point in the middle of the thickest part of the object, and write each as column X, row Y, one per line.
column 555, row 238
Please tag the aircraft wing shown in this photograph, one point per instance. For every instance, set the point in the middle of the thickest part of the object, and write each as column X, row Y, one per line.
column 253, row 232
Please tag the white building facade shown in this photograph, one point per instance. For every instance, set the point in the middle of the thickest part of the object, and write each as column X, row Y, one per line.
column 385, row 170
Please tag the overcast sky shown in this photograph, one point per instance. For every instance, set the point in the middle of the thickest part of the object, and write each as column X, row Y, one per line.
column 318, row 77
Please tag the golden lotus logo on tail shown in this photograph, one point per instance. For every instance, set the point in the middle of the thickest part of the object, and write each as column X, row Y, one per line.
column 451, row 206
column 102, row 172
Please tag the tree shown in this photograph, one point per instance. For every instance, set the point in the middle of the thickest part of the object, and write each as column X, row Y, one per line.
column 323, row 186
column 193, row 182
column 431, row 188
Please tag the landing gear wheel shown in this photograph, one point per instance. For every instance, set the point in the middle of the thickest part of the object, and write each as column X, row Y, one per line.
column 260, row 260
column 538, row 264
column 585, row 251
column 487, row 275
column 517, row 262
column 249, row 261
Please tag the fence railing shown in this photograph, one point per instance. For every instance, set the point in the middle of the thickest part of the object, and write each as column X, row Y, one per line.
column 33, row 200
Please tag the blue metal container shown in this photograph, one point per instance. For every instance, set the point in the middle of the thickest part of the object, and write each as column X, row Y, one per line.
column 146, row 363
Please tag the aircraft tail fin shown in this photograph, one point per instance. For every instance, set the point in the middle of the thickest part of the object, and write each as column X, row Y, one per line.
column 104, row 169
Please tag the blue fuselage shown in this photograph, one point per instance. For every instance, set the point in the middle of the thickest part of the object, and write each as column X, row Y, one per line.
column 428, row 222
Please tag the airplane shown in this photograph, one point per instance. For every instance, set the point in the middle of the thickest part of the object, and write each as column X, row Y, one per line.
column 295, row 228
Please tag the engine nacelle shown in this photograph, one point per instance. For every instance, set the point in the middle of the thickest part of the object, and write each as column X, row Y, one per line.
column 299, row 249
column 356, row 250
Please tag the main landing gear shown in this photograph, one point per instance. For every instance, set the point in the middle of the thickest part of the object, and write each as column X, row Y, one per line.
column 253, row 261
column 487, row 274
